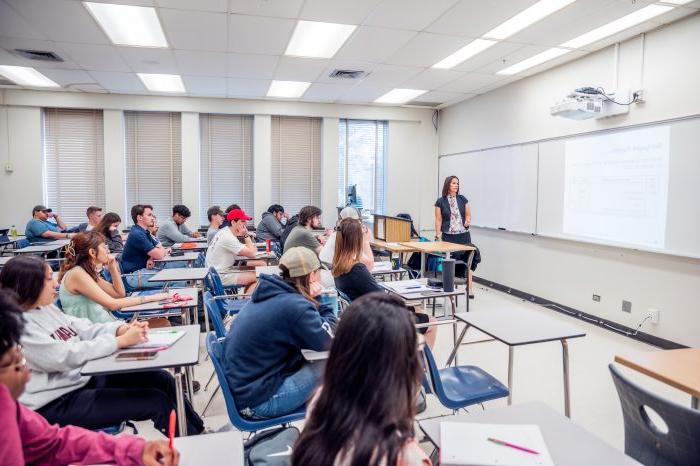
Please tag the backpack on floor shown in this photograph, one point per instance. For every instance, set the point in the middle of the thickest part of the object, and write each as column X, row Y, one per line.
column 291, row 223
column 272, row 447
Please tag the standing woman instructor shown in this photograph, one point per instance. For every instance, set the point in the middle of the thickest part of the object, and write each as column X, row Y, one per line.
column 453, row 215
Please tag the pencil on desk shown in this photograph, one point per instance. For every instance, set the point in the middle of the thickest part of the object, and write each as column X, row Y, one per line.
column 512, row 445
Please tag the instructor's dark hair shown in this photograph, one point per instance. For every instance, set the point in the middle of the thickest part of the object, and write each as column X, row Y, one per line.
column 366, row 408
column 446, row 185
column 12, row 322
column 24, row 275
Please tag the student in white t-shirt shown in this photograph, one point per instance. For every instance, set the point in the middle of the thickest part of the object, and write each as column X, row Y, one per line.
column 226, row 247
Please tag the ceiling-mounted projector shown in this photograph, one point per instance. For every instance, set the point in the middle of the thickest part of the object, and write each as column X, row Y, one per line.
column 587, row 102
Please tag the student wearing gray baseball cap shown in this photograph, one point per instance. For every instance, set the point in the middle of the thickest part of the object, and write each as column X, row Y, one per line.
column 40, row 230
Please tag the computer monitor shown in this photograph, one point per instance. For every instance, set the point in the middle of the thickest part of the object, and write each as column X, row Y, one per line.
column 351, row 195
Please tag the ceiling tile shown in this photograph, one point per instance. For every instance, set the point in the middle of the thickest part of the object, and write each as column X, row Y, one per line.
column 195, row 30
column 471, row 83
column 439, row 96
column 391, row 75
column 202, row 5
column 374, row 44
column 300, row 69
column 61, row 20
column 364, row 92
column 66, row 78
column 345, row 65
column 14, row 25
column 207, row 86
column 147, row 60
column 408, row 14
column 10, row 44
column 427, row 49
column 338, row 11
column 432, row 79
column 256, row 34
column 198, row 63
column 547, row 65
column 119, row 82
column 251, row 66
column 127, row 2
column 247, row 87
column 490, row 55
column 517, row 56
column 327, row 92
column 96, row 57
column 473, row 18
column 276, row 8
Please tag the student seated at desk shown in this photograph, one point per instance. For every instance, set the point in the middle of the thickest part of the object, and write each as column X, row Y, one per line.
column 328, row 251
column 226, row 212
column 262, row 352
column 27, row 438
column 216, row 218
column 84, row 293
column 272, row 224
column 364, row 411
column 57, row 345
column 302, row 234
column 94, row 215
column 174, row 229
column 226, row 246
column 40, row 230
column 109, row 228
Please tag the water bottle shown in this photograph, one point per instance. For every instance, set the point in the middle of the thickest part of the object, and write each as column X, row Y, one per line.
column 13, row 232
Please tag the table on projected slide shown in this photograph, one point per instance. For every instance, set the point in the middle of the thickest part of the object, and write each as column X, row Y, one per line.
column 518, row 328
column 567, row 442
column 211, row 449
column 438, row 247
column 188, row 257
column 184, row 353
column 679, row 368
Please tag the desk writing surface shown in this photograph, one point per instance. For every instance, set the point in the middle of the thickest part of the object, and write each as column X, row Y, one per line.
column 211, row 449
column 47, row 247
column 393, row 247
column 184, row 352
column 4, row 259
column 188, row 256
column 156, row 306
column 679, row 368
column 520, row 327
column 176, row 275
column 438, row 246
column 197, row 246
column 568, row 443
column 267, row 269
column 394, row 287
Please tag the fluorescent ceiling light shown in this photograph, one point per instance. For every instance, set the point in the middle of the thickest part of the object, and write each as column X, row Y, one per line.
column 318, row 40
column 26, row 76
column 527, row 17
column 129, row 25
column 162, row 82
column 534, row 61
column 466, row 52
column 399, row 96
column 618, row 25
column 288, row 89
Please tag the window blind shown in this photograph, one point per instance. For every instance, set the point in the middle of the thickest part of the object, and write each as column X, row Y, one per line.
column 361, row 161
column 226, row 162
column 296, row 162
column 74, row 175
column 153, row 161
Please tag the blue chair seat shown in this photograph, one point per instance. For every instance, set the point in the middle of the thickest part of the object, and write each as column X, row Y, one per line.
column 467, row 385
column 232, row 306
column 118, row 428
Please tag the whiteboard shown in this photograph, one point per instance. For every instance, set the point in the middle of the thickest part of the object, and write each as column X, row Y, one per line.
column 500, row 184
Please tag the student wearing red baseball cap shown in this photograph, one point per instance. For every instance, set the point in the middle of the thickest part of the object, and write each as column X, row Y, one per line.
column 228, row 244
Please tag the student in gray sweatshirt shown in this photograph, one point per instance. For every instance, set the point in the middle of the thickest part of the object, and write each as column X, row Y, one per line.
column 272, row 224
column 174, row 229
column 56, row 347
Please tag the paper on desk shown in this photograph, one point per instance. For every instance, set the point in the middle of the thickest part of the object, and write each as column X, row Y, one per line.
column 407, row 286
column 467, row 444
column 160, row 339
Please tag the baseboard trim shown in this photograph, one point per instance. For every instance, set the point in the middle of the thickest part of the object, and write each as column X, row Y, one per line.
column 577, row 314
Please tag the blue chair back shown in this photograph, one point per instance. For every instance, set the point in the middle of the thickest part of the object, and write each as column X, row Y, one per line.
column 22, row 243
column 215, row 350
column 200, row 261
column 215, row 284
column 644, row 440
column 212, row 308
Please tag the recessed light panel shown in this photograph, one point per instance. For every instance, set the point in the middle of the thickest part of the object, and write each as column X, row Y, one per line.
column 162, row 82
column 287, row 89
column 26, row 76
column 547, row 55
column 527, row 17
column 129, row 25
column 318, row 40
column 399, row 96
column 463, row 54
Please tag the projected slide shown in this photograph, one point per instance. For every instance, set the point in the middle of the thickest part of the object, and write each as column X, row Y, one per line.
column 616, row 187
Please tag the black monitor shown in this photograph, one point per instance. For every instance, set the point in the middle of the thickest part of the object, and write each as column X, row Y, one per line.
column 351, row 195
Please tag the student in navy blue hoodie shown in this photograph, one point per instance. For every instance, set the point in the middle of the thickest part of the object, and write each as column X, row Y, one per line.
column 262, row 352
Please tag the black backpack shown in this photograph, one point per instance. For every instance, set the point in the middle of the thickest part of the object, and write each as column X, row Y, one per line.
column 291, row 223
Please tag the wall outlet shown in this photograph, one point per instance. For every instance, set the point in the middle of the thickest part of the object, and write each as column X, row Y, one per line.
column 639, row 94
column 653, row 315
column 626, row 306
column 596, row 298
column 9, row 168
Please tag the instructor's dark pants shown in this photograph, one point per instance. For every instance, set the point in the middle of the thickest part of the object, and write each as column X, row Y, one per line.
column 108, row 400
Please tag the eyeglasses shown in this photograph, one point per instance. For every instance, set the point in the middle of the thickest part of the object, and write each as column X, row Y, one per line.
column 18, row 362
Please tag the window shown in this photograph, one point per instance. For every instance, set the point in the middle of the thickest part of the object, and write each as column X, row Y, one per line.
column 74, row 173
column 361, row 160
column 296, row 162
column 153, row 161
column 226, row 162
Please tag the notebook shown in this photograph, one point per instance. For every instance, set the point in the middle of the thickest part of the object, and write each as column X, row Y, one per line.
column 160, row 339
column 467, row 444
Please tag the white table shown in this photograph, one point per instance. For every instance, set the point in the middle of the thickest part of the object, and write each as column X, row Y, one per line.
column 521, row 327
column 383, row 269
column 261, row 255
column 568, row 443
column 267, row 269
column 193, row 274
column 172, row 309
column 211, row 449
column 44, row 248
column 183, row 353
column 4, row 259
column 198, row 246
column 188, row 257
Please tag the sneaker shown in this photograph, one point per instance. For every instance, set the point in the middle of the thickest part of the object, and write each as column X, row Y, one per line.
column 195, row 386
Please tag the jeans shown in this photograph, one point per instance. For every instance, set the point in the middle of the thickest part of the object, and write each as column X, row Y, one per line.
column 330, row 300
column 292, row 394
column 139, row 280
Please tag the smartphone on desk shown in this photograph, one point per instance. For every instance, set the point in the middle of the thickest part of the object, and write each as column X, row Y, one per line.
column 137, row 356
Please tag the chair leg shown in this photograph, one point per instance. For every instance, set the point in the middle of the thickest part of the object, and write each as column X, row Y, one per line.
column 211, row 398
column 209, row 381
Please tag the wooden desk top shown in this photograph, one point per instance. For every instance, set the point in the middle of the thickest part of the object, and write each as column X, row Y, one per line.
column 680, row 368
column 438, row 246
column 394, row 247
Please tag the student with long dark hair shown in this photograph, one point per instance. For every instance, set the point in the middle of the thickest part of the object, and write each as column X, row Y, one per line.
column 363, row 413
column 57, row 346
column 83, row 292
column 109, row 228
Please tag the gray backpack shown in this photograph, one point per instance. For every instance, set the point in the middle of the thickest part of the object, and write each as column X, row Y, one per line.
column 271, row 447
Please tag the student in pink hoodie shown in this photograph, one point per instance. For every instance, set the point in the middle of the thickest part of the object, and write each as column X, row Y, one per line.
column 27, row 438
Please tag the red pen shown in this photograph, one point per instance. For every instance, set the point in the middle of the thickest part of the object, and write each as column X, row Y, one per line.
column 171, row 430
column 511, row 445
